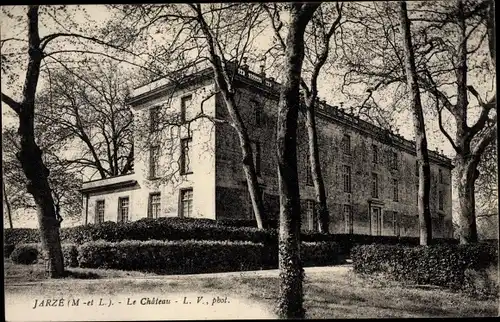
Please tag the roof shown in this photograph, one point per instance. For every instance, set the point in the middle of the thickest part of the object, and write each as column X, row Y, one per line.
column 269, row 84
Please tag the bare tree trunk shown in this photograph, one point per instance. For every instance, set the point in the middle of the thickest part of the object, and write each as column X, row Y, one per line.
column 424, row 213
column 467, row 174
column 317, row 177
column 7, row 204
column 30, row 155
column 227, row 92
column 291, row 273
column 246, row 150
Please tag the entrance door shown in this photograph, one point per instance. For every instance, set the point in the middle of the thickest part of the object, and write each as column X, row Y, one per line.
column 376, row 221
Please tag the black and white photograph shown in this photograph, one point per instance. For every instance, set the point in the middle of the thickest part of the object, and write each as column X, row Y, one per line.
column 249, row 160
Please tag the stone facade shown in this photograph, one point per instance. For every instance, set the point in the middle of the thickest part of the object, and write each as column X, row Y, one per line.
column 358, row 202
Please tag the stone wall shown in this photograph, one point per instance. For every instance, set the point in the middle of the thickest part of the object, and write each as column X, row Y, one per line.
column 229, row 172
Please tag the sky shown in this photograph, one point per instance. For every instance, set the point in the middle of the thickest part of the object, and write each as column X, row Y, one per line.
column 328, row 86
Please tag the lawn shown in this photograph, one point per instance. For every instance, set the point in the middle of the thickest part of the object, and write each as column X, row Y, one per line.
column 330, row 292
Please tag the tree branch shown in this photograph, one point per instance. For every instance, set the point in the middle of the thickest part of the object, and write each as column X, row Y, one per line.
column 12, row 103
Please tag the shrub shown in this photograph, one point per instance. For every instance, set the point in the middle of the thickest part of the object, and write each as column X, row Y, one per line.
column 321, row 254
column 441, row 265
column 268, row 224
column 176, row 257
column 165, row 229
column 175, row 228
column 8, row 249
column 70, row 253
column 25, row 254
column 16, row 236
column 172, row 256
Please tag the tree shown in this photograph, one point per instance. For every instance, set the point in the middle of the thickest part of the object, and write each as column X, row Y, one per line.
column 7, row 204
column 452, row 61
column 198, row 32
column 86, row 107
column 64, row 179
column 470, row 21
column 316, row 56
column 37, row 50
column 30, row 154
column 424, row 184
column 291, row 272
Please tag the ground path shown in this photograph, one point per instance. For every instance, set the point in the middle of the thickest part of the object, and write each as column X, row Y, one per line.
column 330, row 292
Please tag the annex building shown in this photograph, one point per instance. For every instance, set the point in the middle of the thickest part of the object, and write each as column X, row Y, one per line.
column 188, row 162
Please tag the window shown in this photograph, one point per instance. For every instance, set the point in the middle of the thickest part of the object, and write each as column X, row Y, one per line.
column 346, row 176
column 154, row 119
column 375, row 154
column 441, row 200
column 154, row 205
column 154, row 160
column 394, row 160
column 374, row 185
column 123, row 209
column 346, row 144
column 395, row 189
column 395, row 223
column 348, row 219
column 256, row 156
column 311, row 214
column 186, row 203
column 186, row 167
column 309, row 179
column 417, row 170
column 441, row 179
column 258, row 110
column 185, row 104
column 99, row 211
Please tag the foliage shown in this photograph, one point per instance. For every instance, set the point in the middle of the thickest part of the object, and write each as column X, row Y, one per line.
column 25, row 254
column 17, row 236
column 320, row 253
column 194, row 256
column 147, row 229
column 85, row 107
column 175, row 228
column 178, row 257
column 8, row 249
column 441, row 265
column 268, row 224
column 63, row 180
column 70, row 254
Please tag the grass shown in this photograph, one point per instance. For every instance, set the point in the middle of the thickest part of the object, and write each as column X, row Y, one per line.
column 332, row 292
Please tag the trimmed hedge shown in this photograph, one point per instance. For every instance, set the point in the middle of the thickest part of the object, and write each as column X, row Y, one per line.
column 16, row 236
column 25, row 254
column 192, row 256
column 441, row 265
column 172, row 256
column 321, row 254
column 268, row 224
column 179, row 256
column 148, row 229
column 174, row 228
